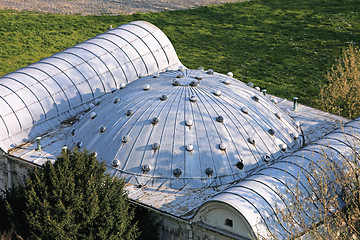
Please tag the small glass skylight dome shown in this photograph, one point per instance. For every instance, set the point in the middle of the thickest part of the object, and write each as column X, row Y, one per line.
column 217, row 144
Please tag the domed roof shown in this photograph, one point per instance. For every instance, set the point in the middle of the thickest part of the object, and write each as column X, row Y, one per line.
column 189, row 128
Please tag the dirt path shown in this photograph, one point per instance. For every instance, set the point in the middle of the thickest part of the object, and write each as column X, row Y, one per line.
column 97, row 7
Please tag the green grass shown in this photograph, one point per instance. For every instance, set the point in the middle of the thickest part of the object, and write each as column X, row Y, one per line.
column 285, row 46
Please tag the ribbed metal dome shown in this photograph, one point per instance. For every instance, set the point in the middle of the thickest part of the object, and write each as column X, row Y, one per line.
column 190, row 128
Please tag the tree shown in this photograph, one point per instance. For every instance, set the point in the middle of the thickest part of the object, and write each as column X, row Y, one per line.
column 74, row 198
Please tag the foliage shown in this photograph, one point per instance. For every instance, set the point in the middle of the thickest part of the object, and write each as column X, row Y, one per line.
column 74, row 199
column 342, row 95
column 283, row 46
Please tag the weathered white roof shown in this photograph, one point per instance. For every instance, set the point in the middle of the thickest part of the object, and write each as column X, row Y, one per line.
column 181, row 131
column 36, row 98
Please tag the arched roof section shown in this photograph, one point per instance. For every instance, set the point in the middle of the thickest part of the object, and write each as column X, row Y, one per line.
column 262, row 195
column 36, row 98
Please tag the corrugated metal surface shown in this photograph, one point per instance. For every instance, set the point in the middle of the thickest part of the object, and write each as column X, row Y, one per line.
column 209, row 163
column 37, row 98
column 258, row 196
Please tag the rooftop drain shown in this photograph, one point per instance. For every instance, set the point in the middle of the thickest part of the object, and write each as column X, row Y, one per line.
column 38, row 144
column 194, row 83
column 193, row 98
column 245, row 110
column 267, row 158
column 102, row 129
column 129, row 112
column 79, row 144
column 250, row 84
column 217, row 93
column 155, row 146
column 220, row 119
column 115, row 162
column 210, row 72
column 294, row 135
column 156, row 75
column 255, row 98
column 283, row 146
column 155, row 121
column 209, row 171
column 125, row 139
column 145, row 168
column 122, row 85
column 163, row 97
column 177, row 172
column 258, row 89
column 226, row 81
column 93, row 115
column 190, row 147
column 73, row 131
column 176, row 83
column 116, row 100
column 278, row 115
column 189, row 122
column 146, row 87
column 240, row 165
column 271, row 132
column 201, row 68
column 230, row 74
column 251, row 140
column 222, row 146
column 264, row 91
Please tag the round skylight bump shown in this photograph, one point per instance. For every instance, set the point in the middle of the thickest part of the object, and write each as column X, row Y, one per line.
column 113, row 90
column 220, row 119
column 181, row 68
column 209, row 171
column 141, row 75
column 102, row 128
column 146, row 87
column 275, row 101
column 189, row 122
column 93, row 115
column 222, row 146
column 177, row 172
column 264, row 91
column 194, row 83
column 217, row 93
column 271, row 132
column 145, row 168
column 267, row 158
column 91, row 105
column 156, row 75
column 97, row 102
column 193, row 98
column 278, row 115
column 155, row 146
column 79, row 144
column 245, row 110
column 251, row 140
column 115, row 162
column 176, row 83
column 294, row 135
column 73, row 131
column 226, row 81
column 297, row 124
column 189, row 147
column 283, row 147
column 122, row 85
column 255, row 98
column 163, row 97
column 168, row 69
column 116, row 100
column 155, row 121
column 258, row 89
column 230, row 74
column 240, row 165
column 129, row 112
column 201, row 68
column 250, row 84
column 180, row 75
column 125, row 139
column 198, row 77
column 210, row 72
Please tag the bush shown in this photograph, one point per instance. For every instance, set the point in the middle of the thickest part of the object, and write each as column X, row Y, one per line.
column 73, row 199
column 342, row 95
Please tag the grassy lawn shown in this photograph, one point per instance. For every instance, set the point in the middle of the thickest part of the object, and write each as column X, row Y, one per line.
column 285, row 46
